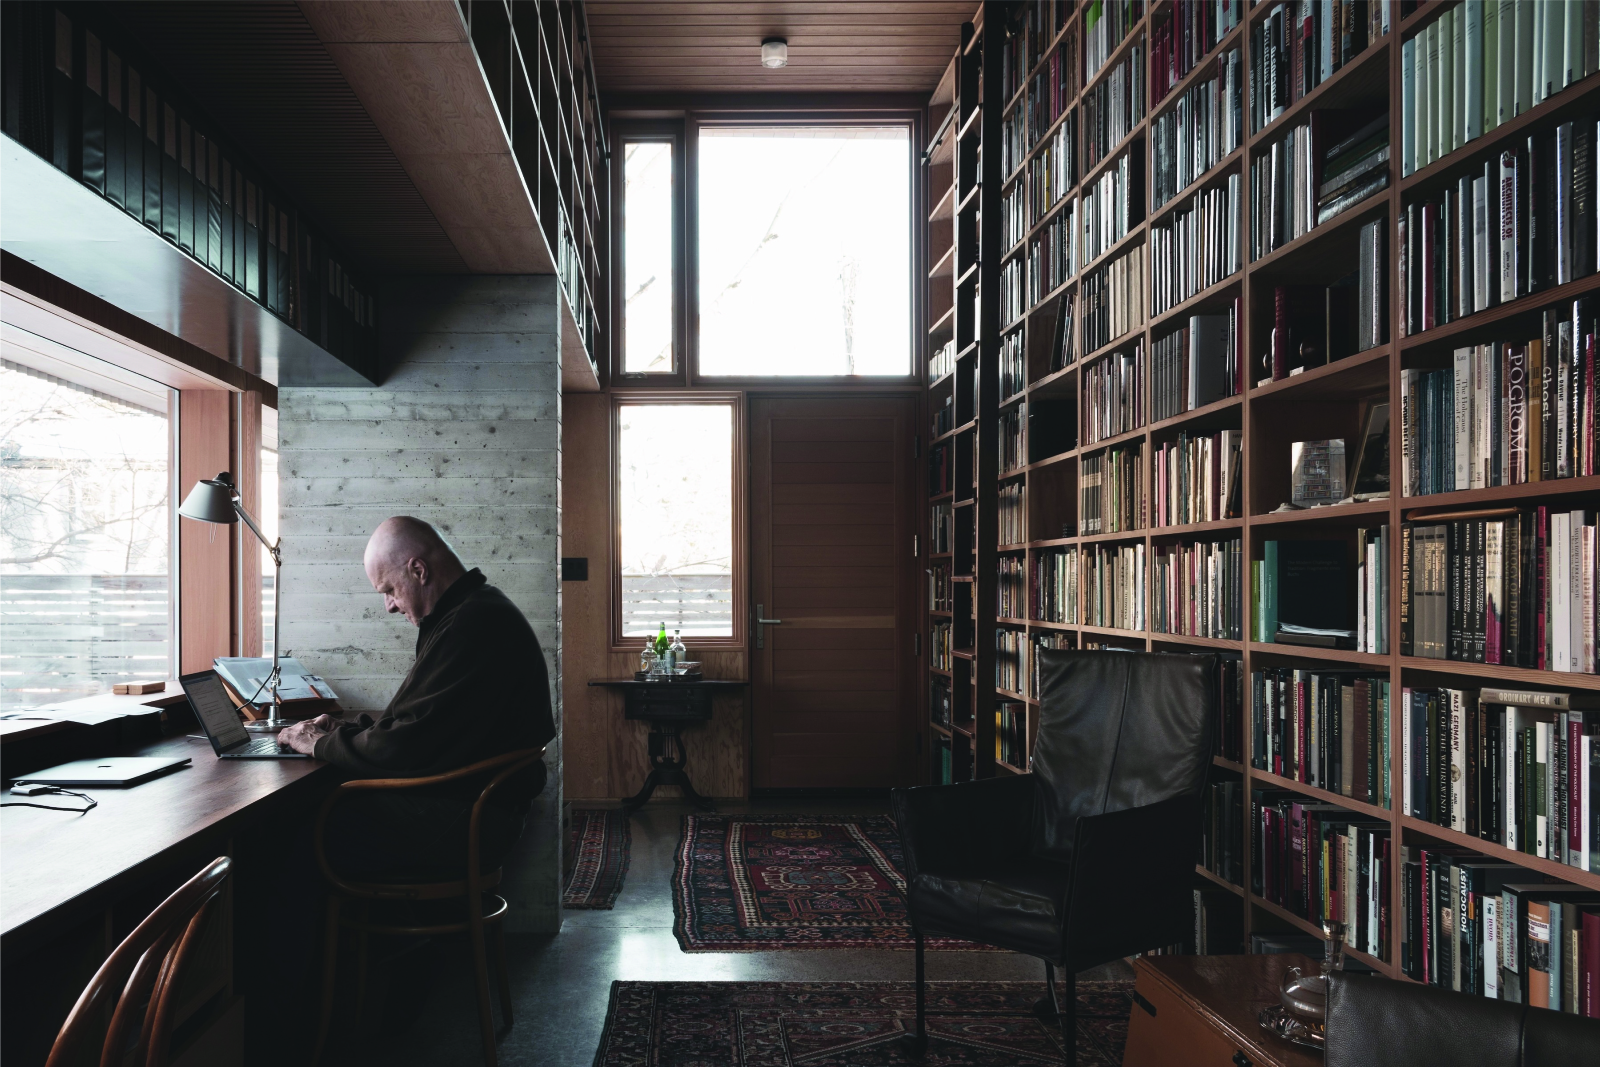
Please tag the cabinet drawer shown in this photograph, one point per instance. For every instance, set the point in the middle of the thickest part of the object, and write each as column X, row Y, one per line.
column 1176, row 1035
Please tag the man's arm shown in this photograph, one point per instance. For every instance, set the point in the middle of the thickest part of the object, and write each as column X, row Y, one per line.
column 303, row 736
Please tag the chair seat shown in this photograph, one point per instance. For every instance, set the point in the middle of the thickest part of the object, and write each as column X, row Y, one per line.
column 1019, row 907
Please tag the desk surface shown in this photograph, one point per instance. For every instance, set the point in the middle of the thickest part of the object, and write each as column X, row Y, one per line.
column 61, row 865
column 639, row 683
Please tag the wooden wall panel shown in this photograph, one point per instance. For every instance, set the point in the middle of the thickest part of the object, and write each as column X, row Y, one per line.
column 248, row 551
column 204, row 550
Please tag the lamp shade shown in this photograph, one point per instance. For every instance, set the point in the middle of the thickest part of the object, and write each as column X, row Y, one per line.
column 211, row 500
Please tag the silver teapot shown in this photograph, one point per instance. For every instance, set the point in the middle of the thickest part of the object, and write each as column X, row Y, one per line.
column 1302, row 1014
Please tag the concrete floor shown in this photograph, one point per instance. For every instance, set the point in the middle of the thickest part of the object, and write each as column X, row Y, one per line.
column 421, row 1010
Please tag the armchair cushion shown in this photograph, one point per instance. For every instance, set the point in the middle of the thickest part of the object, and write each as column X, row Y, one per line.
column 1018, row 907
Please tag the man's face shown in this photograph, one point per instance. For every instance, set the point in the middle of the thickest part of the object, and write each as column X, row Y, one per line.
column 402, row 587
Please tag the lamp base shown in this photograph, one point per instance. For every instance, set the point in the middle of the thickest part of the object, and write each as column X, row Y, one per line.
column 267, row 726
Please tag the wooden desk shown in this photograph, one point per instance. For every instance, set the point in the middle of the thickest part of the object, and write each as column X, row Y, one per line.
column 1202, row 1012
column 60, row 867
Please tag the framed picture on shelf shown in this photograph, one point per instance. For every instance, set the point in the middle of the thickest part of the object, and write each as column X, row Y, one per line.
column 1369, row 468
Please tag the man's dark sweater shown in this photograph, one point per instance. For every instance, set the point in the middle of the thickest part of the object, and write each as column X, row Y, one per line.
column 478, row 688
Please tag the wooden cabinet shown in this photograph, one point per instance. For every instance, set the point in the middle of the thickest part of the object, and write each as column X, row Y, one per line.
column 1200, row 1011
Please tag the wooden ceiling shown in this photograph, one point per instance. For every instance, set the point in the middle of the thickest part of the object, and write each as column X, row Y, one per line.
column 714, row 46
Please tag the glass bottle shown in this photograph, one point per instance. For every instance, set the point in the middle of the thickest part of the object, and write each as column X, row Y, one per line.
column 664, row 649
column 680, row 655
column 648, row 657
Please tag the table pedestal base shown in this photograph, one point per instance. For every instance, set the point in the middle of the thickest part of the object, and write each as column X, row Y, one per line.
column 666, row 769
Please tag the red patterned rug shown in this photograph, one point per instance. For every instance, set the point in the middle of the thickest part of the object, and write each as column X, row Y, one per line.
column 853, row 1024
column 597, row 851
column 752, row 883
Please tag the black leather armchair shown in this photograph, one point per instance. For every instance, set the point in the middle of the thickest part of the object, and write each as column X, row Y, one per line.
column 1090, row 857
column 1379, row 1022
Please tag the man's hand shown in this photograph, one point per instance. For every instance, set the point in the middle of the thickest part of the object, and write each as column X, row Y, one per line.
column 303, row 736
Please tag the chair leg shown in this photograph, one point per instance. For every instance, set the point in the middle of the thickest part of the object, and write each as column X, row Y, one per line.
column 364, row 917
column 480, row 976
column 1045, row 1007
column 1068, row 1014
column 918, row 1040
column 502, row 976
column 330, row 967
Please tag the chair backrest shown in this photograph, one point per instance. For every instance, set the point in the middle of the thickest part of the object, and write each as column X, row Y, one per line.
column 1117, row 730
column 143, row 974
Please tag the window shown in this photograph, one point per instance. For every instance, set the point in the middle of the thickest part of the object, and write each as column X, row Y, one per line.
column 85, row 534
column 649, row 282
column 804, row 248
column 675, row 510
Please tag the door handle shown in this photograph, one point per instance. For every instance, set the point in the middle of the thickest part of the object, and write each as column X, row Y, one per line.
column 761, row 634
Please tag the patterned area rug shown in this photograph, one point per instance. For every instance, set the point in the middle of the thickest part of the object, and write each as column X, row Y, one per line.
column 752, row 883
column 597, row 846
column 852, row 1024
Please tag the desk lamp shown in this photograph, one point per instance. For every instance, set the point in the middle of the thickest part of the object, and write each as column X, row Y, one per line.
column 217, row 500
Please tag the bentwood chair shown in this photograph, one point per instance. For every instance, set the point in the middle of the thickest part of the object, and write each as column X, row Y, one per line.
column 483, row 909
column 143, row 975
column 1088, row 858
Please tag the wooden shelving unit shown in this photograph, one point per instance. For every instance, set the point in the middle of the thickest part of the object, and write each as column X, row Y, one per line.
column 963, row 308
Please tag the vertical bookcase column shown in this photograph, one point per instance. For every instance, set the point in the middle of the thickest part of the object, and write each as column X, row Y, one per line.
column 987, row 401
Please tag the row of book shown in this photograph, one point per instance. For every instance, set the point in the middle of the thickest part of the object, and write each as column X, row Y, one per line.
column 1300, row 594
column 940, row 597
column 1054, row 595
column 1354, row 169
column 1196, row 247
column 1504, row 413
column 1051, row 90
column 1011, row 734
column 1014, row 221
column 1013, row 516
column 1222, row 832
column 1013, row 292
column 1514, row 767
column 1114, row 585
column 1314, row 325
column 1515, row 588
column 1200, row 130
column 1232, row 712
column 939, row 701
column 1113, row 391
column 939, row 654
column 940, row 472
column 1053, row 254
column 1114, row 299
column 1481, row 64
column 1053, row 172
column 941, row 527
column 1323, row 863
column 1008, row 667
column 1037, row 642
column 1064, row 340
column 1218, row 929
column 943, row 360
column 1112, row 205
column 1112, row 107
column 1012, row 446
column 1300, row 45
column 1283, row 192
column 1010, row 587
column 1111, row 490
column 1188, row 35
column 1198, row 478
column 1372, row 590
column 944, row 766
column 1325, row 728
column 1105, row 24
column 1200, row 363
column 1473, row 924
column 1196, row 589
column 1523, row 222
column 944, row 417
column 1013, row 365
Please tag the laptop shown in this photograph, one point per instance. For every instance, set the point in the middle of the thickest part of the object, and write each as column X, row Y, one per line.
column 220, row 720
column 111, row 771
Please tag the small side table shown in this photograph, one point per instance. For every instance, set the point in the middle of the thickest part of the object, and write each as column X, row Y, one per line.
column 668, row 706
column 1201, row 1011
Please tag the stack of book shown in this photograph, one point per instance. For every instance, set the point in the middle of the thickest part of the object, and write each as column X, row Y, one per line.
column 1485, row 240
column 1194, row 28
column 1112, row 107
column 1038, row 641
column 1354, row 169
column 1011, row 734
column 1012, row 514
column 1013, row 365
column 1053, row 254
column 1300, row 45
column 1480, row 65
column 1505, row 413
column 1198, row 364
column 1012, row 450
column 1512, row 587
column 1008, row 672
column 1105, row 24
column 1473, row 924
column 1222, row 833
column 1197, row 589
column 1113, row 395
column 1200, row 130
column 1197, row 246
column 1111, row 490
column 1198, row 479
column 1321, row 862
column 1112, row 205
column 1325, row 728
column 1055, row 586
column 1114, row 586
column 1010, row 588
column 1114, row 299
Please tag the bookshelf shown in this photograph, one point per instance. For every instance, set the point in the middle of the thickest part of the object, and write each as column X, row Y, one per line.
column 974, row 329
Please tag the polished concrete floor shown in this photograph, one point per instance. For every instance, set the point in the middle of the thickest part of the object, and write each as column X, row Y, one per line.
column 421, row 1010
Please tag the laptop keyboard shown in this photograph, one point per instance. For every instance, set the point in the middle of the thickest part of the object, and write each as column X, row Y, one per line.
column 266, row 745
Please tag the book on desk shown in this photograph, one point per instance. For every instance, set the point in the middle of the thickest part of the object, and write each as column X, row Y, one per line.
column 301, row 693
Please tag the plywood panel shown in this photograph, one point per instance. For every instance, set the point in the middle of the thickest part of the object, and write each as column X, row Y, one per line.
column 247, row 468
column 204, row 550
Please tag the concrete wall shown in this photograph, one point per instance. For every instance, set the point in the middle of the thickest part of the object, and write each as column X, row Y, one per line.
column 465, row 432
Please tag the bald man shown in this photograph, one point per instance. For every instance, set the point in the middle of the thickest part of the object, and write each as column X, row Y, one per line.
column 478, row 688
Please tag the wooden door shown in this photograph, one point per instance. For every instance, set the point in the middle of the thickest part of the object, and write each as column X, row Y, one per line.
column 831, row 517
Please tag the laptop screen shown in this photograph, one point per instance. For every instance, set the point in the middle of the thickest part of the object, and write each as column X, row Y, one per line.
column 215, row 711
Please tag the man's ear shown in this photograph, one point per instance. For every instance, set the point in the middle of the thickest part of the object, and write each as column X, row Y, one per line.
column 419, row 569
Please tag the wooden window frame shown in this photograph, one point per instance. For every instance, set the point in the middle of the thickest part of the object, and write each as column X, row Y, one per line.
column 649, row 132
column 735, row 401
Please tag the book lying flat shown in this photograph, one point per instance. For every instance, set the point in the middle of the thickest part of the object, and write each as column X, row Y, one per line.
column 246, row 676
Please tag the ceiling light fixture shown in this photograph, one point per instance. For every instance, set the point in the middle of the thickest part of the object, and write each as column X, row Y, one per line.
column 775, row 52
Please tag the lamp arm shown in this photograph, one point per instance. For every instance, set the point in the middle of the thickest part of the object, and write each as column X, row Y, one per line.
column 255, row 529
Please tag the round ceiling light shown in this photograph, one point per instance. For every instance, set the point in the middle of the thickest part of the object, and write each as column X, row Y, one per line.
column 775, row 52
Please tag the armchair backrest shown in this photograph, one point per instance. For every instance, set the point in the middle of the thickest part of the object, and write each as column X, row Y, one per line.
column 1117, row 730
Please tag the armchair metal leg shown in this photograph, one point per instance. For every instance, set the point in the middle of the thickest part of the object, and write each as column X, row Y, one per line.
column 918, row 1040
column 1068, row 1015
